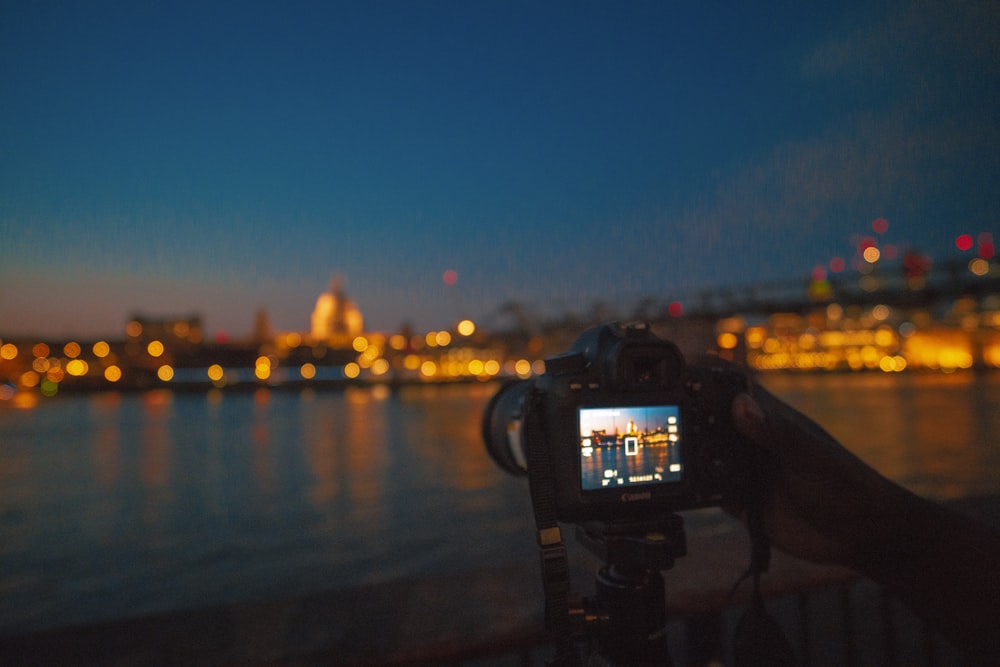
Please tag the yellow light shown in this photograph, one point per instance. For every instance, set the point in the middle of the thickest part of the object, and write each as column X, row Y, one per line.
column 476, row 367
column 979, row 266
column 55, row 374
column 77, row 367
column 428, row 369
column 522, row 367
column 872, row 254
column 293, row 339
column 727, row 341
column 215, row 372
column 397, row 342
column 8, row 351
column 30, row 379
column 491, row 367
column 307, row 371
column 40, row 365
column 352, row 370
column 884, row 338
column 431, row 339
column 380, row 367
column 881, row 312
column 466, row 327
column 371, row 353
column 155, row 348
column 262, row 369
column 71, row 349
column 101, row 349
column 112, row 373
column 133, row 329
column 165, row 373
column 40, row 350
column 411, row 362
column 442, row 338
column 755, row 337
column 360, row 344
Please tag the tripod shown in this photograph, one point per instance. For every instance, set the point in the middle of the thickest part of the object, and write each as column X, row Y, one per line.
column 627, row 615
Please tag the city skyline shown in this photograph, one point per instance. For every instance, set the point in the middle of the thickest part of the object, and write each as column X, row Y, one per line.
column 221, row 161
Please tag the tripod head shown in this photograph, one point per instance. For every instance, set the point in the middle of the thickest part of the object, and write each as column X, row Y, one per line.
column 627, row 615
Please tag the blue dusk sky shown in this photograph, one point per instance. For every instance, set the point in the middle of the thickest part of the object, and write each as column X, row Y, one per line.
column 221, row 158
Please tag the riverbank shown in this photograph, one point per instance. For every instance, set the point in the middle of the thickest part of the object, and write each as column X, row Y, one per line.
column 493, row 616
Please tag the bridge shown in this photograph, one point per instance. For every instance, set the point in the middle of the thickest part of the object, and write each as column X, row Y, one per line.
column 936, row 290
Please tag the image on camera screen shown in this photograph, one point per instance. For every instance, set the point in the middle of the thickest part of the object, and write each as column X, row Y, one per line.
column 627, row 446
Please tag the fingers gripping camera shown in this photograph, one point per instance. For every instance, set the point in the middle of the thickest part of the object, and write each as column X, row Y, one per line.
column 630, row 429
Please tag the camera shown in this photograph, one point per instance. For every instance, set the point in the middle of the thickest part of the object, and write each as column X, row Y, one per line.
column 627, row 430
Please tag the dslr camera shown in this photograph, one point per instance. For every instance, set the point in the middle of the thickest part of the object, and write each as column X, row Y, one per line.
column 628, row 430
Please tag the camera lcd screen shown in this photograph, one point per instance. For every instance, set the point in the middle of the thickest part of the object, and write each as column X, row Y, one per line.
column 630, row 446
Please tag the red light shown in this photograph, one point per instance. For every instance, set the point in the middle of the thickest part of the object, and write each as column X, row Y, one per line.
column 450, row 277
column 964, row 242
column 221, row 336
column 837, row 264
column 675, row 309
column 880, row 225
column 986, row 247
column 867, row 242
column 819, row 273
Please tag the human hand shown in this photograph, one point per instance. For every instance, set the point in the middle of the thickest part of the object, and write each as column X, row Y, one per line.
column 824, row 504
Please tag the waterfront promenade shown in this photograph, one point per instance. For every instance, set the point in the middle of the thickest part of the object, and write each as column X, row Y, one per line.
column 494, row 617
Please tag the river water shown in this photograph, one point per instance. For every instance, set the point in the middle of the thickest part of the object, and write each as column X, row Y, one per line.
column 120, row 505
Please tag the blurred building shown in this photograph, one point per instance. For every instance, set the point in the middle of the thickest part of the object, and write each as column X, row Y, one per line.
column 335, row 315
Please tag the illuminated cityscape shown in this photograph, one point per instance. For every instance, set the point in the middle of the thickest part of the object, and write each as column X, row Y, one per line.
column 915, row 315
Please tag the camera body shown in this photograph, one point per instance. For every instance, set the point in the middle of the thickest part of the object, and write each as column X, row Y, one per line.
column 630, row 430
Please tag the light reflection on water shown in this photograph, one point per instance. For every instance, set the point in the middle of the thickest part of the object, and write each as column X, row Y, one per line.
column 118, row 505
column 934, row 433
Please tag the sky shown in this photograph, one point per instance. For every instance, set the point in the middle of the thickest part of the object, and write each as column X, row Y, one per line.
column 172, row 158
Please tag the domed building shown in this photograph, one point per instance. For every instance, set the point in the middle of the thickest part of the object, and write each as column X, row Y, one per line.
column 336, row 316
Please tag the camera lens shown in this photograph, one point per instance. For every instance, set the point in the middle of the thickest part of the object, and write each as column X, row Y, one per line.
column 503, row 427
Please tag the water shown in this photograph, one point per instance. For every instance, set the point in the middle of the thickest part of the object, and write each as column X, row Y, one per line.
column 114, row 506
